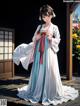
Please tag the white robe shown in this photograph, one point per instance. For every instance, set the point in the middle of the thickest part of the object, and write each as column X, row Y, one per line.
column 54, row 91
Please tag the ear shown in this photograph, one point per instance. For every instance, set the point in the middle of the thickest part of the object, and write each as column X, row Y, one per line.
column 51, row 16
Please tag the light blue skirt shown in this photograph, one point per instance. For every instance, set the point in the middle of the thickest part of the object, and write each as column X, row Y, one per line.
column 35, row 90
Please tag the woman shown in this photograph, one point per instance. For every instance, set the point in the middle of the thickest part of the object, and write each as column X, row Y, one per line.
column 45, row 84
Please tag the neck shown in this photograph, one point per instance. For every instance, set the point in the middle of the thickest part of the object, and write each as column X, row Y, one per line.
column 48, row 23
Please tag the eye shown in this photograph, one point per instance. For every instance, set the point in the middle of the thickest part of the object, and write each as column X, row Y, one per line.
column 43, row 16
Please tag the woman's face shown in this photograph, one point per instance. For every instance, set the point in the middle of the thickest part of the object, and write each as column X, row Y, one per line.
column 46, row 19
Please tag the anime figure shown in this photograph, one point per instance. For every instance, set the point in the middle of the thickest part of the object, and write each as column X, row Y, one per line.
column 45, row 84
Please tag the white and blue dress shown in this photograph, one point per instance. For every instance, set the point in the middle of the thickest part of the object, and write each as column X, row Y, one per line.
column 45, row 83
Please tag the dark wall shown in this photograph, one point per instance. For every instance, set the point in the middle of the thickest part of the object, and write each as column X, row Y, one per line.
column 23, row 17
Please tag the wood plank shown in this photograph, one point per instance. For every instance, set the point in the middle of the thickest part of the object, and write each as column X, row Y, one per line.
column 69, row 44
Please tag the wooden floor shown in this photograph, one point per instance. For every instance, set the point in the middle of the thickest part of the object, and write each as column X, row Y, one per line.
column 8, row 90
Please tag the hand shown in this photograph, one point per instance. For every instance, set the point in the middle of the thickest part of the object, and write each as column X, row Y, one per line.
column 49, row 37
column 48, row 34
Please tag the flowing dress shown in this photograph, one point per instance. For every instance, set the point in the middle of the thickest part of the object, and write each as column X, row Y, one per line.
column 45, row 84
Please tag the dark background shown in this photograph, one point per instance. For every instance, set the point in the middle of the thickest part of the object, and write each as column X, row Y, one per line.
column 23, row 17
